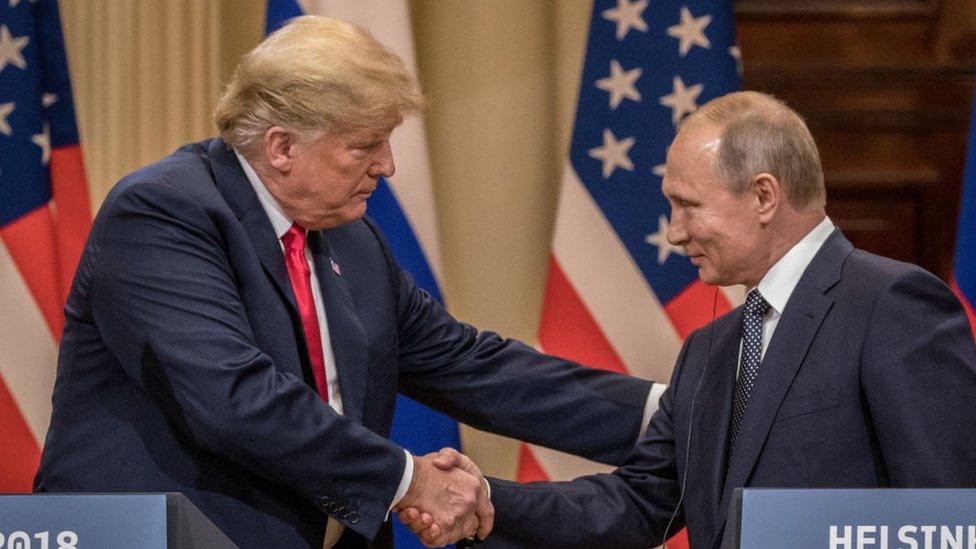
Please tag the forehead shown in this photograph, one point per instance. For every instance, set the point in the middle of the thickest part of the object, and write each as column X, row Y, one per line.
column 691, row 161
column 360, row 134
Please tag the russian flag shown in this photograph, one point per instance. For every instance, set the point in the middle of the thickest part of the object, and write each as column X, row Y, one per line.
column 403, row 207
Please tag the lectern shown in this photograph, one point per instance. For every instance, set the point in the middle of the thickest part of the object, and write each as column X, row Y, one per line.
column 106, row 521
column 852, row 519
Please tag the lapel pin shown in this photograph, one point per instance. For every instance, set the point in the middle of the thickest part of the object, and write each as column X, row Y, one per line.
column 335, row 267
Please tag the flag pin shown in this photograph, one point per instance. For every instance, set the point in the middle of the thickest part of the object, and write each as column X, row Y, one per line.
column 335, row 267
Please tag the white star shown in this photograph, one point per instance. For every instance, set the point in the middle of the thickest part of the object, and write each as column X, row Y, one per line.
column 13, row 3
column 627, row 15
column 43, row 140
column 736, row 54
column 5, row 110
column 691, row 31
column 613, row 153
column 660, row 239
column 620, row 84
column 682, row 99
column 48, row 99
column 10, row 49
column 659, row 169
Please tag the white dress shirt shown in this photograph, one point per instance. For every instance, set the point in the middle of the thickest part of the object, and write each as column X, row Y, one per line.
column 778, row 283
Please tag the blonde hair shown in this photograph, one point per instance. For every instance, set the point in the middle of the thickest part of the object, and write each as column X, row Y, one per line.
column 760, row 133
column 314, row 75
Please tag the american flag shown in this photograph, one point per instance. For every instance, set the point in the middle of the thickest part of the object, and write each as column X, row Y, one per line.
column 44, row 219
column 964, row 276
column 618, row 295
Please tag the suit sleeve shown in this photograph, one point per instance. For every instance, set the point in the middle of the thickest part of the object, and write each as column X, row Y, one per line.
column 918, row 373
column 503, row 386
column 167, row 304
column 629, row 508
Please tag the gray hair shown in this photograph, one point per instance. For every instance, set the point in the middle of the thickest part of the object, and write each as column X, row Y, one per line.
column 762, row 134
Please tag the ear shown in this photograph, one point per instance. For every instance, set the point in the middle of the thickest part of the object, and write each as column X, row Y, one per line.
column 278, row 147
column 769, row 195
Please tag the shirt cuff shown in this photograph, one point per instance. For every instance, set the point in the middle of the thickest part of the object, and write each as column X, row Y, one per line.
column 405, row 481
column 652, row 404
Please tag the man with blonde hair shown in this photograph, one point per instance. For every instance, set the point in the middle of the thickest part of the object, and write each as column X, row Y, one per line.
column 842, row 368
column 237, row 329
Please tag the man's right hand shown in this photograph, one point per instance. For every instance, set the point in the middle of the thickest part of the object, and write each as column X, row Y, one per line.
column 430, row 531
column 447, row 497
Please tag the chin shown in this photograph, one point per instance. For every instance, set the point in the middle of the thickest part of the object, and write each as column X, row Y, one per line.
column 352, row 213
column 710, row 278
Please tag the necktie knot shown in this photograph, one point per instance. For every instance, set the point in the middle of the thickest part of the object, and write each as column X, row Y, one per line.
column 294, row 239
column 756, row 304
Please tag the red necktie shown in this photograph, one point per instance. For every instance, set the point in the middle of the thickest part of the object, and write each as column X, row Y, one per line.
column 298, row 273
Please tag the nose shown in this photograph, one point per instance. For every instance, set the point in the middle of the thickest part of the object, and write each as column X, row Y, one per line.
column 383, row 165
column 677, row 235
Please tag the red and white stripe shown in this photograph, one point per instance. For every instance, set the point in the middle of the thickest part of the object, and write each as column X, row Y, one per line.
column 38, row 255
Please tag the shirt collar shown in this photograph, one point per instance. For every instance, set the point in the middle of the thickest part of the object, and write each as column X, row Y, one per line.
column 279, row 220
column 781, row 279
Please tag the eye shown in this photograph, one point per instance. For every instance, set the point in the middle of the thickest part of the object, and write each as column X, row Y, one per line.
column 365, row 146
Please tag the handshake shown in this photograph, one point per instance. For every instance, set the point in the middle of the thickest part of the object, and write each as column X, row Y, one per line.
column 447, row 500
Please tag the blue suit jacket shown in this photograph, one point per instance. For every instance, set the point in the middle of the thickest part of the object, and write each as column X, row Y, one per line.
column 183, row 366
column 868, row 381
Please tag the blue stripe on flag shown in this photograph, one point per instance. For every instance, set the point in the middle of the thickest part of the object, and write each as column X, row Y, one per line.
column 965, row 257
column 632, row 200
column 280, row 11
column 415, row 426
column 35, row 29
column 384, row 209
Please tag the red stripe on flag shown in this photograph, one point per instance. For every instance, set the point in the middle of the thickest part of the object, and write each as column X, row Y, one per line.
column 678, row 541
column 30, row 241
column 21, row 454
column 567, row 328
column 72, row 217
column 966, row 305
column 529, row 469
column 692, row 308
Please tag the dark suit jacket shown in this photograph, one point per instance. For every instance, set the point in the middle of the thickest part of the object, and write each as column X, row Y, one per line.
column 868, row 381
column 183, row 366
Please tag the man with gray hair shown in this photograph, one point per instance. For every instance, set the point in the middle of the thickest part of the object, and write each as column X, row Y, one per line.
column 237, row 329
column 842, row 368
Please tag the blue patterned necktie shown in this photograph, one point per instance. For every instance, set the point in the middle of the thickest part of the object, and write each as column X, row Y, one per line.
column 752, row 317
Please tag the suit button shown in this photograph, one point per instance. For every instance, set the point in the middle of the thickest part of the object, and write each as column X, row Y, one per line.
column 343, row 513
column 353, row 517
column 324, row 501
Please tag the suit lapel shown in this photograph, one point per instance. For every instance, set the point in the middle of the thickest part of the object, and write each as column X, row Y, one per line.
column 349, row 344
column 801, row 319
column 715, row 406
column 237, row 191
